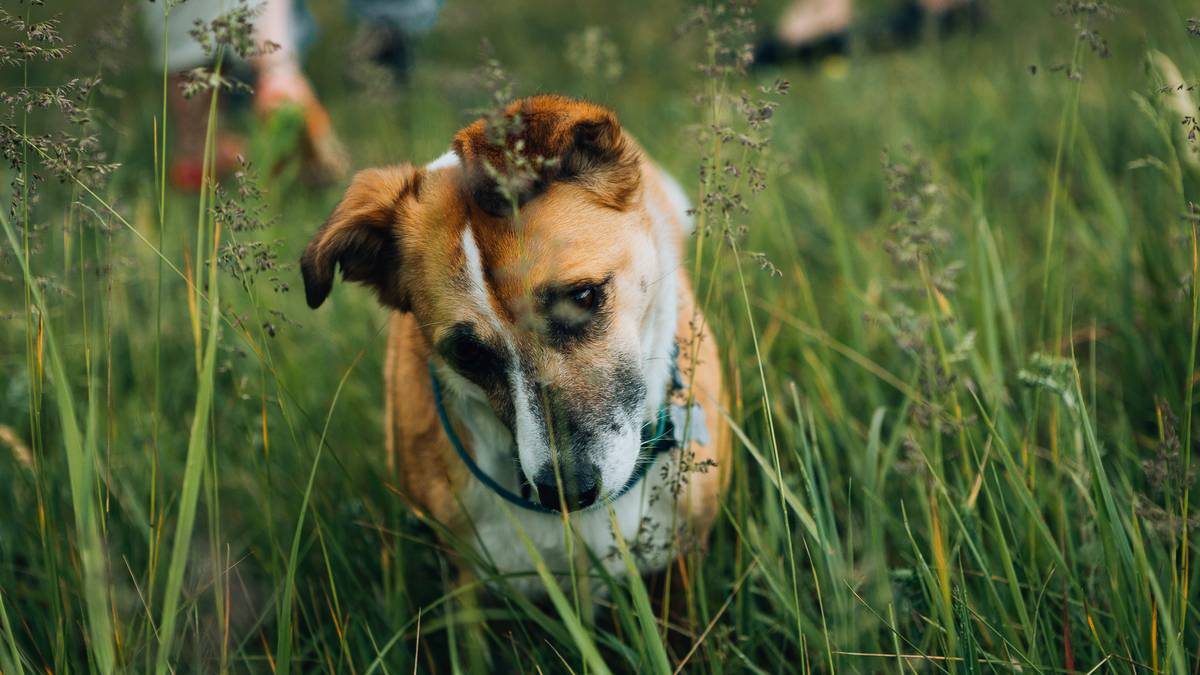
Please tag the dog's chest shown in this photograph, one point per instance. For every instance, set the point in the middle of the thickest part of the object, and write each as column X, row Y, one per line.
column 647, row 516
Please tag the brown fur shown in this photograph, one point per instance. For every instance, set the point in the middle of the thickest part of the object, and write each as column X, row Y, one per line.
column 574, row 140
column 358, row 236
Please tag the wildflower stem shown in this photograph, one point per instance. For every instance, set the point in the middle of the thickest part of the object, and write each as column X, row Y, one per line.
column 768, row 411
column 1186, row 448
column 160, row 165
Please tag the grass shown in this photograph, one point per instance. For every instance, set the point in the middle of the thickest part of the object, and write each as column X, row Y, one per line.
column 962, row 410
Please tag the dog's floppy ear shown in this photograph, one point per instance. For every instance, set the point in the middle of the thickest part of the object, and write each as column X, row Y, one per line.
column 578, row 141
column 365, row 236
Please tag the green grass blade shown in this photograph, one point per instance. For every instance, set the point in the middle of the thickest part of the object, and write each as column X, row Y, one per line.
column 193, row 473
column 641, row 602
column 12, row 659
column 80, row 470
column 284, row 639
column 583, row 641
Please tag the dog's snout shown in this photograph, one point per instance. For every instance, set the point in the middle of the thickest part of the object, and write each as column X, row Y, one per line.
column 580, row 486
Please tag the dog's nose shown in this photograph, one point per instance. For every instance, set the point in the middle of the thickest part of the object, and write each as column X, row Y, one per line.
column 581, row 486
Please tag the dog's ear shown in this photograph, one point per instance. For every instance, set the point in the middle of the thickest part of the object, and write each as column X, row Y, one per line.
column 365, row 236
column 561, row 139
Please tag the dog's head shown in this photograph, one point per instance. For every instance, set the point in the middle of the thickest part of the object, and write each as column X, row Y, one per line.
column 540, row 312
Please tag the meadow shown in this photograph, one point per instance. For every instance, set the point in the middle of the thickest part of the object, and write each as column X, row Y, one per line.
column 954, row 286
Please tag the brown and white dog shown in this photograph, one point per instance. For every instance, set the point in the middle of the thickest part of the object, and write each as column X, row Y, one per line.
column 544, row 342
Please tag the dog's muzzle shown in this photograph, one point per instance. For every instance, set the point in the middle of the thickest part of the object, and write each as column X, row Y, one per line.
column 580, row 486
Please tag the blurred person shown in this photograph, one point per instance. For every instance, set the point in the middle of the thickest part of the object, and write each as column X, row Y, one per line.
column 809, row 30
column 386, row 29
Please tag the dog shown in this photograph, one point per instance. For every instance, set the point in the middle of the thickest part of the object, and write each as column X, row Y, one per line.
column 547, row 360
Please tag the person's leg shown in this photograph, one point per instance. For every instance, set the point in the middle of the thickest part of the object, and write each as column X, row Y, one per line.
column 807, row 20
column 916, row 17
column 281, row 82
column 186, row 132
column 188, row 121
column 387, row 27
column 810, row 30
column 937, row 6
column 408, row 16
column 281, row 79
column 183, row 52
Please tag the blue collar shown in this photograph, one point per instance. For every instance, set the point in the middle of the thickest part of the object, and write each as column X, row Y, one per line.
column 658, row 437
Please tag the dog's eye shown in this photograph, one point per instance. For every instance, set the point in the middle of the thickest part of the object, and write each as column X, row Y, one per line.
column 585, row 298
column 573, row 307
column 575, row 312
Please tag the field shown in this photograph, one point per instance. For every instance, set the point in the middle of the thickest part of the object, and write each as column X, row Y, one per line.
column 959, row 321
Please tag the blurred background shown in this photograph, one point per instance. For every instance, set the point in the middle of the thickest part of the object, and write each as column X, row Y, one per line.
column 955, row 292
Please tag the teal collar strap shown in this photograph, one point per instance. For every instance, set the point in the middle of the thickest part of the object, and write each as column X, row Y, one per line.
column 658, row 437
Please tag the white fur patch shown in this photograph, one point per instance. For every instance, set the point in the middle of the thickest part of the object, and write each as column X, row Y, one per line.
column 531, row 446
column 648, row 525
column 474, row 260
column 447, row 160
column 678, row 198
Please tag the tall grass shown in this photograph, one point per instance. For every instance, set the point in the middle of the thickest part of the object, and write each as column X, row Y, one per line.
column 961, row 381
